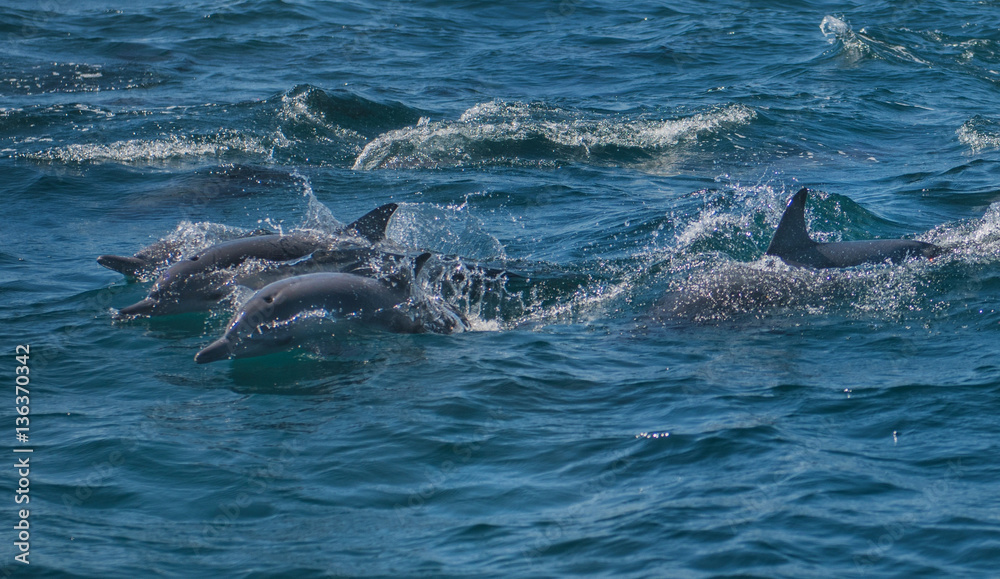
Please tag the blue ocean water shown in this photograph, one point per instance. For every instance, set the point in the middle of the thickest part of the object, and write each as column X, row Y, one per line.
column 652, row 397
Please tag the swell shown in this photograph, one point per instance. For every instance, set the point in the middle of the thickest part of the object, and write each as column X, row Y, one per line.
column 312, row 127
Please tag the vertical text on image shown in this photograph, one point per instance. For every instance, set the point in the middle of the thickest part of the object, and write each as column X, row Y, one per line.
column 22, row 494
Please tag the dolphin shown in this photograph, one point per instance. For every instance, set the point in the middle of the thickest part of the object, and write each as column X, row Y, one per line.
column 153, row 257
column 164, row 252
column 288, row 312
column 791, row 243
column 196, row 283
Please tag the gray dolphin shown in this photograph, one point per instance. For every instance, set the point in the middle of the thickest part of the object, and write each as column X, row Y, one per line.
column 153, row 257
column 791, row 243
column 287, row 313
column 164, row 252
column 196, row 283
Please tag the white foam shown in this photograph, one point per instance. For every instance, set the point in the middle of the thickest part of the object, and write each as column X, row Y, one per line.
column 833, row 26
column 979, row 134
column 146, row 150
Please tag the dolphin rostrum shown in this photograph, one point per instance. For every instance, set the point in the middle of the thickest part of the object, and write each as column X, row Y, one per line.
column 195, row 283
column 287, row 313
column 791, row 243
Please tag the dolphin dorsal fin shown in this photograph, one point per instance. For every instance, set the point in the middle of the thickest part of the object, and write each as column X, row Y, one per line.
column 791, row 234
column 406, row 278
column 372, row 225
column 419, row 263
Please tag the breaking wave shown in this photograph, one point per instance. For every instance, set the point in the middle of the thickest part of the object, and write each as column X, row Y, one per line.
column 862, row 45
column 535, row 134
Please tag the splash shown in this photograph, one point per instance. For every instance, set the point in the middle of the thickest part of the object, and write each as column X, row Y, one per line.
column 836, row 29
column 715, row 271
column 831, row 26
column 974, row 242
column 979, row 133
column 860, row 45
column 187, row 239
column 318, row 216
column 449, row 230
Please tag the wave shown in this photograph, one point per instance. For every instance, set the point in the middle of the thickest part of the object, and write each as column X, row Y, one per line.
column 344, row 110
column 309, row 126
column 304, row 125
column 536, row 134
column 962, row 51
column 860, row 45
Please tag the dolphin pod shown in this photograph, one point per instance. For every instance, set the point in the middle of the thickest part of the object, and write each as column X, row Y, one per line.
column 285, row 314
column 198, row 282
column 312, row 288
column 791, row 243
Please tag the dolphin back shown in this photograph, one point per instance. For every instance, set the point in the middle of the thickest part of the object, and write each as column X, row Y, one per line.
column 269, row 247
column 851, row 253
column 791, row 243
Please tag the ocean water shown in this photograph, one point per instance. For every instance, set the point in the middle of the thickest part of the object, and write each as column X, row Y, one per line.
column 650, row 396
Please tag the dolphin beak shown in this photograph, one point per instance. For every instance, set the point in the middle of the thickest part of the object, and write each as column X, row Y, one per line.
column 144, row 307
column 127, row 265
column 217, row 350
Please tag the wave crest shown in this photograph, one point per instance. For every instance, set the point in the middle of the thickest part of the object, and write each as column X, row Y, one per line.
column 505, row 133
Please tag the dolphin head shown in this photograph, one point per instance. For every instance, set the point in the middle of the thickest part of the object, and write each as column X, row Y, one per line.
column 186, row 286
column 217, row 350
column 261, row 326
column 298, row 309
column 129, row 265
column 143, row 307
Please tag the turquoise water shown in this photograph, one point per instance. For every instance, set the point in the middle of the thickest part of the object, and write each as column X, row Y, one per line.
column 653, row 398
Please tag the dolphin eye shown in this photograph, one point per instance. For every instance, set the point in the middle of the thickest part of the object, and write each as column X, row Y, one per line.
column 193, row 258
column 268, row 299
